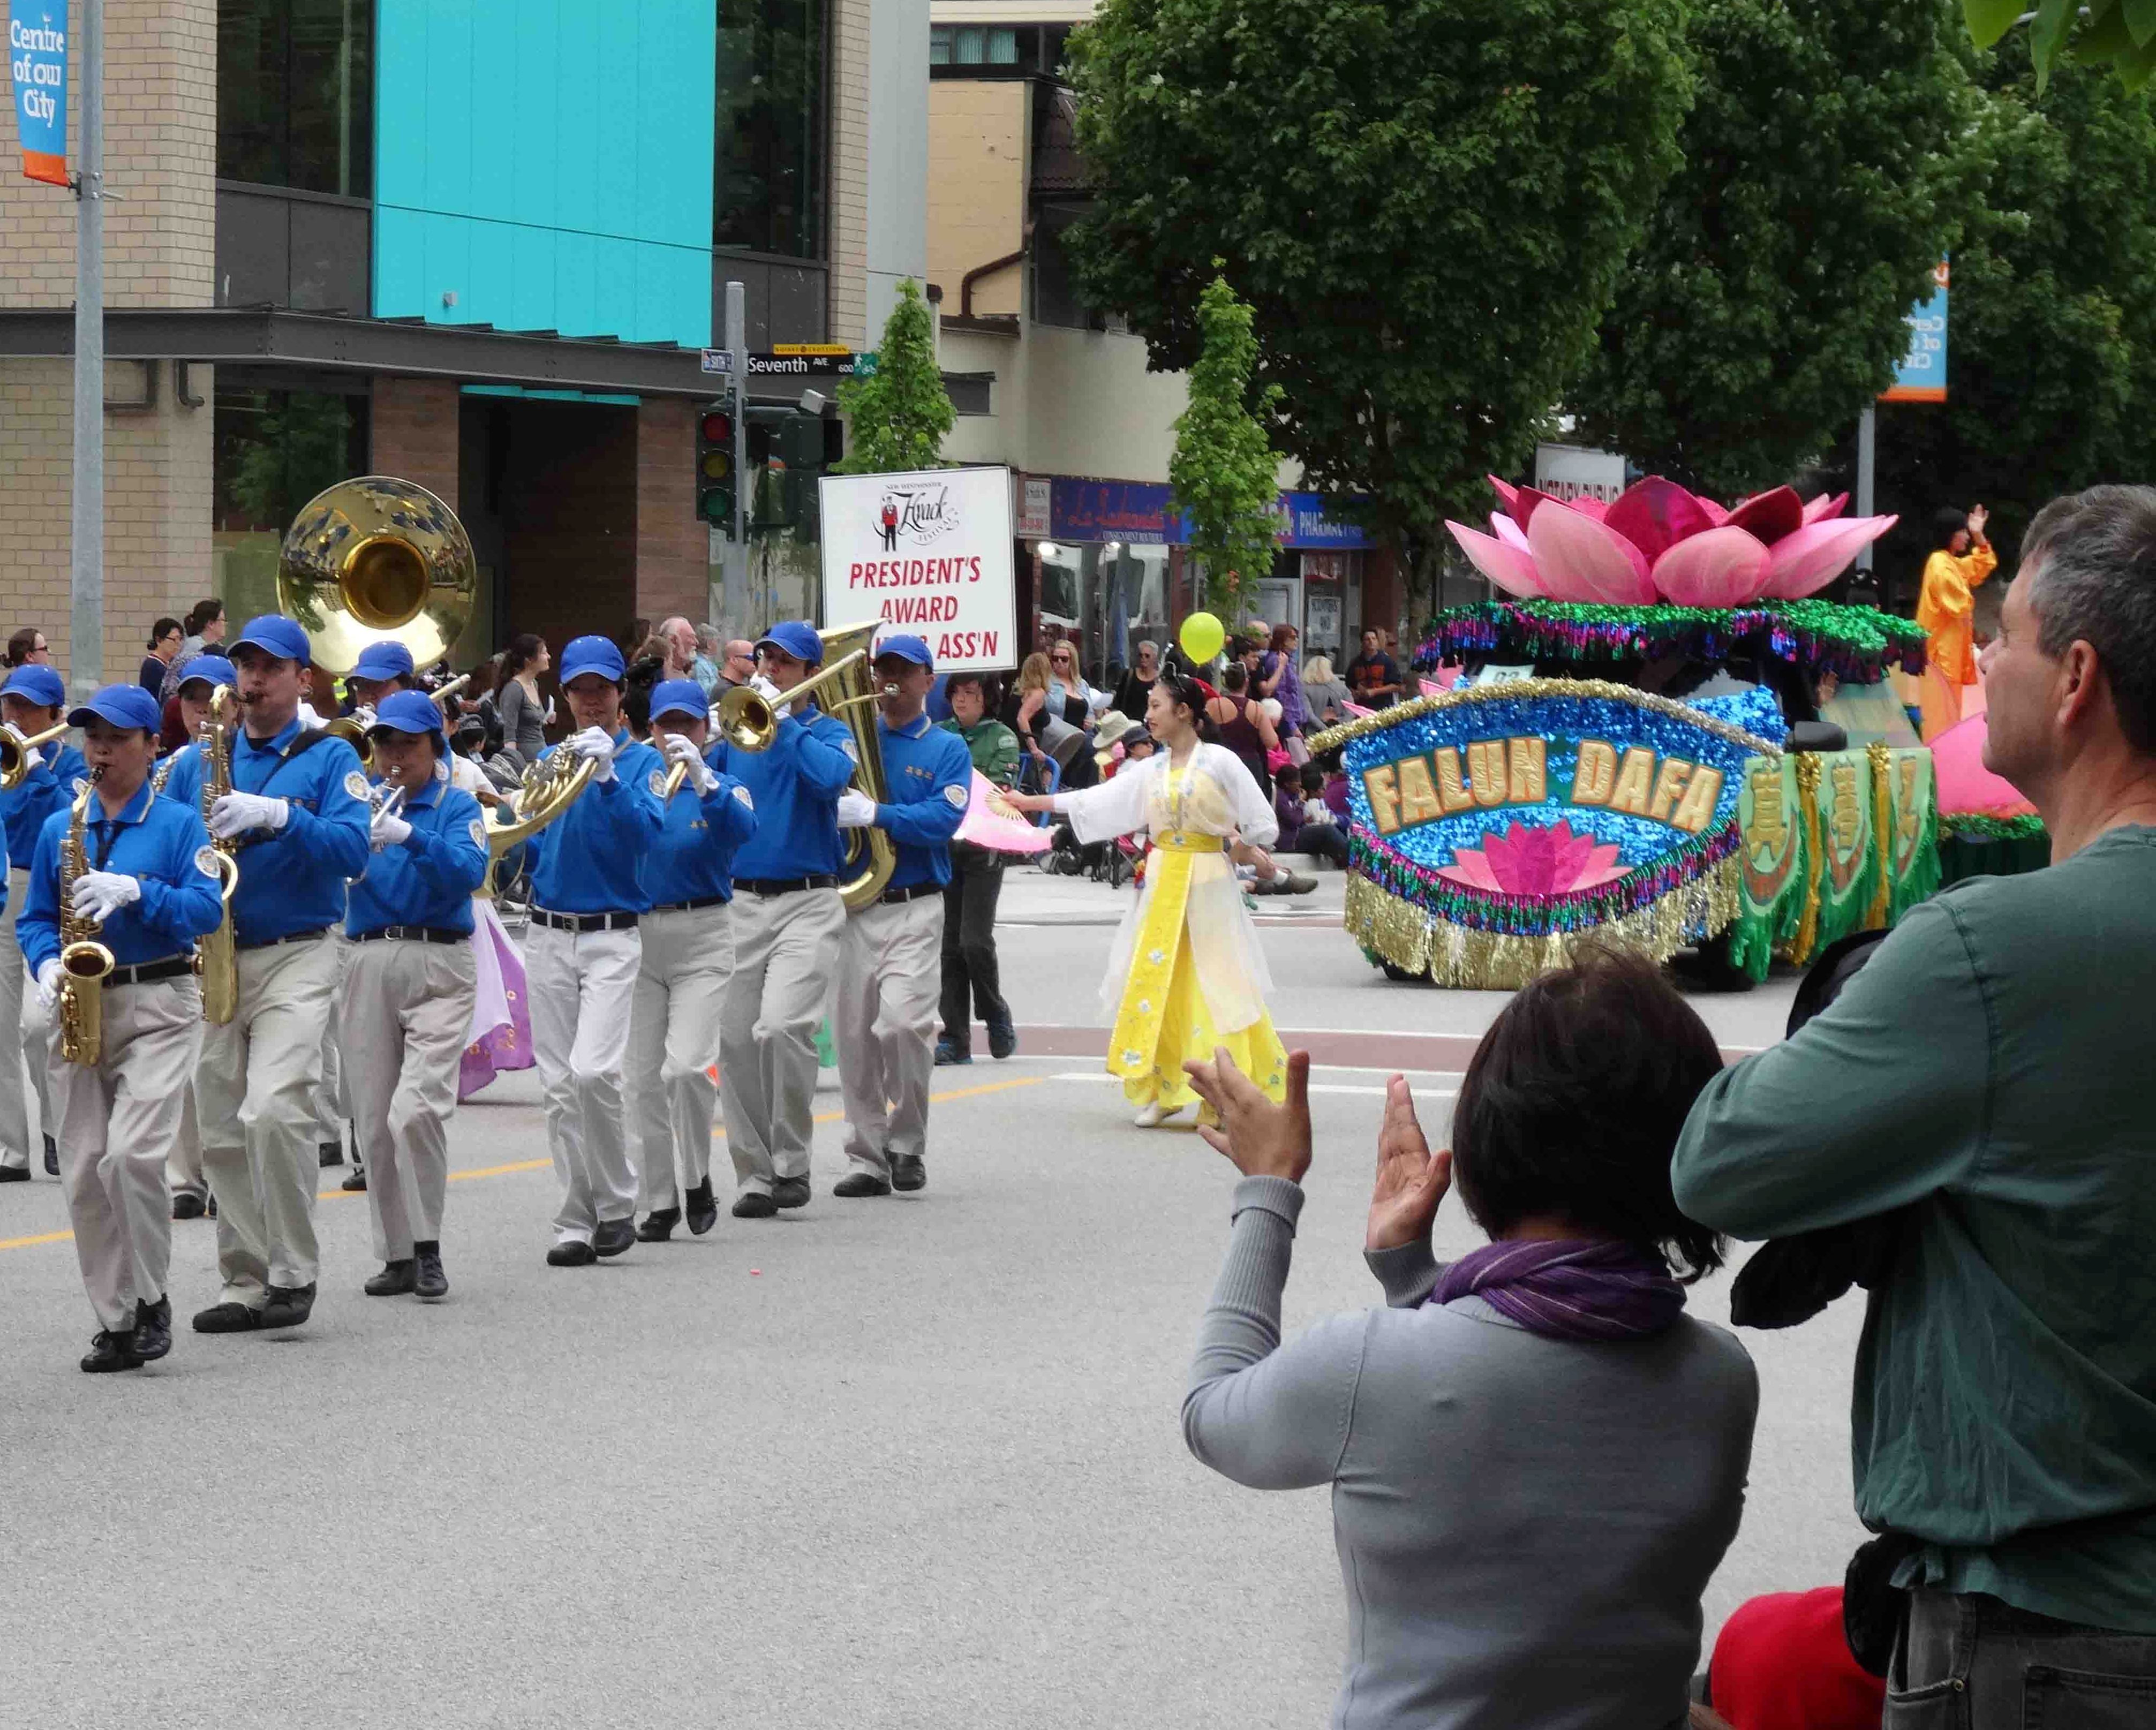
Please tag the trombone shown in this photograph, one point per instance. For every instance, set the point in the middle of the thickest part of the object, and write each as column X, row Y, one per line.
column 353, row 734
column 15, row 753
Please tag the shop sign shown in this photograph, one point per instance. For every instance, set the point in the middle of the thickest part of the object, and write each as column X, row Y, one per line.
column 1036, row 518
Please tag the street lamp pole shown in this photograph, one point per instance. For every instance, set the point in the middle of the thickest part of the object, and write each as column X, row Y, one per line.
column 86, row 615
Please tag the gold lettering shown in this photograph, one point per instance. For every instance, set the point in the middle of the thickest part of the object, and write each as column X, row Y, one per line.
column 1668, row 784
column 1636, row 780
column 1530, row 784
column 1597, row 772
column 1703, row 792
column 1848, row 813
column 1418, row 798
column 1486, row 770
column 1385, row 798
column 1769, row 827
column 1450, row 788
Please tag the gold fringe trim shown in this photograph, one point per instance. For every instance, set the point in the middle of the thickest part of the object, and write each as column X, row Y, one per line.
column 1808, row 780
column 1419, row 942
column 1880, row 913
column 1531, row 689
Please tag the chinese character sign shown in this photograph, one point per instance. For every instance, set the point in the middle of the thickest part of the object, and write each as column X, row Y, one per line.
column 1921, row 375
column 37, row 66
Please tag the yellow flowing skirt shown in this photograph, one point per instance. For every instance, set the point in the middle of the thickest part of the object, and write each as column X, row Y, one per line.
column 1162, row 1020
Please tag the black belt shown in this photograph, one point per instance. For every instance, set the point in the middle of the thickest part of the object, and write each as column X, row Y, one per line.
column 786, row 886
column 701, row 901
column 149, row 973
column 411, row 934
column 297, row 936
column 584, row 921
column 912, row 894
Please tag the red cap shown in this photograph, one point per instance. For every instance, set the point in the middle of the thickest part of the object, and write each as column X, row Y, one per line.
column 1782, row 1662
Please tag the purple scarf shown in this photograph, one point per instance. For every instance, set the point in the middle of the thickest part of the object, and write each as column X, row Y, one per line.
column 1575, row 1288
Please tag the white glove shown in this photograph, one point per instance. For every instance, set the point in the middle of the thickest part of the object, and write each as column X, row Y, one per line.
column 595, row 745
column 364, row 717
column 33, row 758
column 548, row 717
column 308, row 718
column 48, row 983
column 99, row 894
column 236, row 812
column 765, row 689
column 856, row 809
column 680, row 748
column 385, row 828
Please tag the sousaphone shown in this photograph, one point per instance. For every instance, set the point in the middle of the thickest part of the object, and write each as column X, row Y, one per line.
column 377, row 560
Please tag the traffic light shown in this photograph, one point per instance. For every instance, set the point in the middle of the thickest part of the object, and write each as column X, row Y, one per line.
column 718, row 484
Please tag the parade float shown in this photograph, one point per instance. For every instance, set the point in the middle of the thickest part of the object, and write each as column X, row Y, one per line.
column 1655, row 732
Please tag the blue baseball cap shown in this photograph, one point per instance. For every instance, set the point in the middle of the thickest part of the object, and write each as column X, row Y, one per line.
column 593, row 654
column 37, row 685
column 389, row 659
column 411, row 712
column 796, row 638
column 679, row 696
column 118, row 705
column 273, row 635
column 214, row 669
column 906, row 647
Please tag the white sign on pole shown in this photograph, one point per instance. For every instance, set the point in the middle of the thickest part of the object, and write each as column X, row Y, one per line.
column 928, row 553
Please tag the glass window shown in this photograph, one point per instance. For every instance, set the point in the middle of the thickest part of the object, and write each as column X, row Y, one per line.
column 972, row 46
column 294, row 94
column 1003, row 48
column 1055, row 297
column 274, row 451
column 939, row 45
column 768, row 185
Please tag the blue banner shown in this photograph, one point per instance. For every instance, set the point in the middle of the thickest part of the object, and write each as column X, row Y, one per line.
column 37, row 66
column 1139, row 513
column 1921, row 375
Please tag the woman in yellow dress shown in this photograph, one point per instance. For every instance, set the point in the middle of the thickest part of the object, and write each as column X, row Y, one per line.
column 1944, row 608
column 1187, row 974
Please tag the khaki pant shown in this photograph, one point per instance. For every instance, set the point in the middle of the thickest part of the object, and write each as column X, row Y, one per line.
column 406, row 1015
column 115, row 1122
column 183, row 1165
column 255, row 1094
column 581, row 985
column 674, row 1041
column 25, row 1029
column 333, row 1095
column 786, row 948
column 890, row 977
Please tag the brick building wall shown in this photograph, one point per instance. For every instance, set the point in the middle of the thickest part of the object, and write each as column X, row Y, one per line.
column 412, row 432
column 673, row 545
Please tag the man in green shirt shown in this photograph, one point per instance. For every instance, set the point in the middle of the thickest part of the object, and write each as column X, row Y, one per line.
column 1987, row 1077
column 972, row 979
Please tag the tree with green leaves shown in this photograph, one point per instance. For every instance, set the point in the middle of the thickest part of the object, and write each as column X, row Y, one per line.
column 1426, row 203
column 1825, row 166
column 1224, row 474
column 2119, row 34
column 900, row 413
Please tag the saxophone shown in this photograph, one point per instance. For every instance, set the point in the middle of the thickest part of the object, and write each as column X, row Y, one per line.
column 217, row 959
column 84, row 961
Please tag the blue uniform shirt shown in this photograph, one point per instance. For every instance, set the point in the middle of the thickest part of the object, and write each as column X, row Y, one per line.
column 693, row 858
column 49, row 787
column 160, row 842
column 796, row 786
column 183, row 781
column 292, row 878
column 587, row 860
column 929, row 774
column 429, row 879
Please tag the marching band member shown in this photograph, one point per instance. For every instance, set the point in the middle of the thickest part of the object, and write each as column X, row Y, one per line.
column 688, row 950
column 145, row 872
column 585, row 955
column 300, row 811
column 30, row 702
column 410, row 980
column 890, row 955
column 179, row 778
column 787, row 919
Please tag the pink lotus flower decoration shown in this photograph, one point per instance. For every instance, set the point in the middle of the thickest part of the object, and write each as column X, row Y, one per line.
column 1657, row 542
column 1535, row 862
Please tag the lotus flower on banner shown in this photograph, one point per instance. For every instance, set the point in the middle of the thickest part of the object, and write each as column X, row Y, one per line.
column 1660, row 541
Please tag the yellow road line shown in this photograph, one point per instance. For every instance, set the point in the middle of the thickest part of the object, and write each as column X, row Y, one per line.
column 541, row 1165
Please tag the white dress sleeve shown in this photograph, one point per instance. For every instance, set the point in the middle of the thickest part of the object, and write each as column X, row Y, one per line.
column 1254, row 816
column 1117, row 806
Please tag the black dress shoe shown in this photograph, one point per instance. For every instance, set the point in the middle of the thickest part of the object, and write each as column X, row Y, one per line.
column 658, row 1225
column 790, row 1192
column 428, row 1279
column 394, row 1280
column 860, row 1183
column 289, row 1306
column 153, row 1329
column 754, row 1204
column 612, row 1236
column 703, row 1210
column 1002, row 1038
column 571, row 1252
column 228, row 1318
column 52, row 1157
column 188, row 1204
column 356, row 1181
column 110, row 1351
column 908, row 1173
column 15, row 1174
column 332, row 1152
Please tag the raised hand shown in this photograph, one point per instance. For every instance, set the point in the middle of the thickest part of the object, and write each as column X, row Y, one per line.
column 1411, row 1180
column 1263, row 1139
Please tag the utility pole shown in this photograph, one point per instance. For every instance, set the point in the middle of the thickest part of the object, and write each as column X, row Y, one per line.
column 86, row 615
column 1867, row 458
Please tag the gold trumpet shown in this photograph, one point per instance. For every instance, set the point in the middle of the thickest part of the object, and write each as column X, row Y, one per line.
column 15, row 753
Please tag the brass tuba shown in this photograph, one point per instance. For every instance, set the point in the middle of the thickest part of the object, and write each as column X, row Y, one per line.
column 376, row 560
column 84, row 961
column 747, row 722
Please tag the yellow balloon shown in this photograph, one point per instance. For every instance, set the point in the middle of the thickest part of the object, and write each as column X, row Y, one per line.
column 1202, row 636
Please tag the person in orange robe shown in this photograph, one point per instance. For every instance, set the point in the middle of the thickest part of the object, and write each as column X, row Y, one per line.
column 1963, row 560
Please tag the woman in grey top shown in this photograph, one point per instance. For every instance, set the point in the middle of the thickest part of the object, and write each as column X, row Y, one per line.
column 523, row 716
column 1537, row 1460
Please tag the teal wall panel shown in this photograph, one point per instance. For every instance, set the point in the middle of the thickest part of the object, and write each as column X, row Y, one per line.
column 548, row 162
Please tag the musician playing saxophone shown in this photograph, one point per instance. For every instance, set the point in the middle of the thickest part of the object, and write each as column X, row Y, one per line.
column 146, row 879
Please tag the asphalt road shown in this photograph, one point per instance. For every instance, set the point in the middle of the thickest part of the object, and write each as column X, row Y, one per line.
column 912, row 1461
